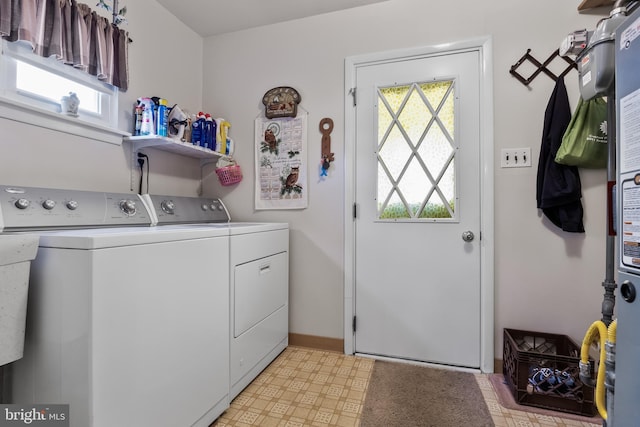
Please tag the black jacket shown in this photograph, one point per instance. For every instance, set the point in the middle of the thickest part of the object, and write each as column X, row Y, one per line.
column 558, row 186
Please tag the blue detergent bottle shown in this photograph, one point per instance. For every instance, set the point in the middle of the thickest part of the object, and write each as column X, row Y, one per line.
column 161, row 118
column 209, row 130
column 197, row 129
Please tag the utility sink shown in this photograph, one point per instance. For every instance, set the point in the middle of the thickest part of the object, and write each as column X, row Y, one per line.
column 16, row 253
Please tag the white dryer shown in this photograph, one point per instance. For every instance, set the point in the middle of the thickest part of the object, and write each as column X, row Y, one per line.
column 259, row 281
column 259, row 291
column 127, row 325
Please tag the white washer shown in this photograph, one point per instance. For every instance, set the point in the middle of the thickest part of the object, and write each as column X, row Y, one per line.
column 259, row 281
column 127, row 325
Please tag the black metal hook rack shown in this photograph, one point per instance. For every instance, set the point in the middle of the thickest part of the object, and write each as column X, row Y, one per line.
column 541, row 67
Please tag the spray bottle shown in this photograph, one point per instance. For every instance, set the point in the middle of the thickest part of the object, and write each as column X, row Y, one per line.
column 146, row 127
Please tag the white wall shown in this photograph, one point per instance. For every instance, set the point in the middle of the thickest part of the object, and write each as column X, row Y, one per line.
column 546, row 280
column 165, row 59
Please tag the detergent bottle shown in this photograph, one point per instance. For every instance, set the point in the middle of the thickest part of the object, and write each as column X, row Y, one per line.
column 161, row 118
column 223, row 131
column 197, row 129
column 209, row 132
column 147, row 127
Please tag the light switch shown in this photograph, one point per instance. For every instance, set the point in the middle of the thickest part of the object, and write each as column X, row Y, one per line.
column 515, row 158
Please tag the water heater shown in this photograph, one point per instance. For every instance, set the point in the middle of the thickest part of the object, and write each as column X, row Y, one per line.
column 626, row 410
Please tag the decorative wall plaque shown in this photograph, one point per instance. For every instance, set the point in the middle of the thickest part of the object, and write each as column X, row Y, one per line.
column 281, row 101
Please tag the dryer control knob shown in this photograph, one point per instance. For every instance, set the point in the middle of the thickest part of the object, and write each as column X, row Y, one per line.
column 128, row 207
column 72, row 205
column 204, row 207
column 48, row 204
column 168, row 206
column 22, row 203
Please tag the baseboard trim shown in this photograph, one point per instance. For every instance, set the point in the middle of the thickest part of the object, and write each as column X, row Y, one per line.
column 319, row 343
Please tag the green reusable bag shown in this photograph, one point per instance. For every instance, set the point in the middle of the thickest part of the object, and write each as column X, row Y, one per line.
column 584, row 143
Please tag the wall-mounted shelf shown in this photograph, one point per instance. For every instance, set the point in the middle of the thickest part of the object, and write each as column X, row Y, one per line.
column 173, row 146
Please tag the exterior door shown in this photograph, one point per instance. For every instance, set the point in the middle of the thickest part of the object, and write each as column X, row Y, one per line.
column 417, row 223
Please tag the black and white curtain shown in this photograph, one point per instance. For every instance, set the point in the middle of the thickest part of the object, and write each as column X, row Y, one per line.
column 70, row 32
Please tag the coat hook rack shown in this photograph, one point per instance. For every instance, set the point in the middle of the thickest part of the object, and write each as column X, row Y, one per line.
column 542, row 67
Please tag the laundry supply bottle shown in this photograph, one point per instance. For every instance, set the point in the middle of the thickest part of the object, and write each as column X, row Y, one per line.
column 209, row 132
column 187, row 131
column 138, row 115
column 161, row 118
column 196, row 129
column 146, row 127
column 230, row 147
column 222, row 145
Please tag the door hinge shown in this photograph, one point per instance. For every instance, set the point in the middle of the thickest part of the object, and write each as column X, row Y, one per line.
column 354, row 323
column 355, row 211
column 352, row 92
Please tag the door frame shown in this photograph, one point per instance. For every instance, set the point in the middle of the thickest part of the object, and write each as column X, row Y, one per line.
column 484, row 46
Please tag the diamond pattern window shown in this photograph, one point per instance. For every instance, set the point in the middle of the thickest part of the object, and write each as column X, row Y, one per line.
column 416, row 179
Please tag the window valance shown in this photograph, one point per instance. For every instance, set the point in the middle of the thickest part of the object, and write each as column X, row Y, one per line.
column 71, row 32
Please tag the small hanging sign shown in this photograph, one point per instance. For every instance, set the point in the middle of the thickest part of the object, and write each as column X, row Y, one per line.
column 281, row 101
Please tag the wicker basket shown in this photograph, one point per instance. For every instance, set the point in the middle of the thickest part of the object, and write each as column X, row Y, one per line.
column 229, row 175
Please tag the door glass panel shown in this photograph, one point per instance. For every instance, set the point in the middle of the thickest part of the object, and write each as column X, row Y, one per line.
column 416, row 151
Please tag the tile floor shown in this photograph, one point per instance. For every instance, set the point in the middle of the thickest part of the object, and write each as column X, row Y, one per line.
column 306, row 387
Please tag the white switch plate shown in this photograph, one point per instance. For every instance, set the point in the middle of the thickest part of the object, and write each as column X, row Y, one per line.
column 515, row 158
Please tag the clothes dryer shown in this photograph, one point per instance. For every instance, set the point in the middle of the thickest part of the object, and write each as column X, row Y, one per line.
column 259, row 281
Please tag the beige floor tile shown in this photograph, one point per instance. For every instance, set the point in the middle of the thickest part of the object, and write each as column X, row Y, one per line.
column 305, row 387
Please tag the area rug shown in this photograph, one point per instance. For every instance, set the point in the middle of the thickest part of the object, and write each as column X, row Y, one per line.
column 405, row 395
column 506, row 400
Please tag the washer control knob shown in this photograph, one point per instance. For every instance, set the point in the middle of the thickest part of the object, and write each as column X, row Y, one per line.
column 128, row 207
column 72, row 205
column 168, row 206
column 22, row 203
column 205, row 207
column 48, row 204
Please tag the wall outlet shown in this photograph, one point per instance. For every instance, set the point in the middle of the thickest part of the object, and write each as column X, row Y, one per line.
column 515, row 158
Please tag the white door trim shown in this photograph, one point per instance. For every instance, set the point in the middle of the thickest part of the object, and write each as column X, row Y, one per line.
column 484, row 46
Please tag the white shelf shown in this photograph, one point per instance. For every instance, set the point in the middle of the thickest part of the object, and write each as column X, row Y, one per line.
column 173, row 146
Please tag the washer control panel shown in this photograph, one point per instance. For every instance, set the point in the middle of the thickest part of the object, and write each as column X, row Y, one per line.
column 32, row 208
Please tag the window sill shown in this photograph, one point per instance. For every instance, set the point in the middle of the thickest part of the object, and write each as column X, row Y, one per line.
column 20, row 112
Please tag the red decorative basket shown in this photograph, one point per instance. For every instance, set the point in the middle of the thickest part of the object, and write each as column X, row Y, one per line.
column 229, row 174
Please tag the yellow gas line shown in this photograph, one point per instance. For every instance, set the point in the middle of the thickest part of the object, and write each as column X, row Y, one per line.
column 598, row 332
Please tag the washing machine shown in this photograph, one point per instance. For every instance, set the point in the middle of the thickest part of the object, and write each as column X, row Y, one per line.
column 126, row 323
column 258, row 281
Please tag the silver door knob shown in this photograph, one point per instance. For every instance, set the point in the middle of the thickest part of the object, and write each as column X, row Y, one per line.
column 468, row 236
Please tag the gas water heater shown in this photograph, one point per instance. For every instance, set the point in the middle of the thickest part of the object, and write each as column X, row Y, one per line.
column 626, row 410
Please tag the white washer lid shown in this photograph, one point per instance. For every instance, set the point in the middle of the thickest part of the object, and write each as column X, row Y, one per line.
column 117, row 237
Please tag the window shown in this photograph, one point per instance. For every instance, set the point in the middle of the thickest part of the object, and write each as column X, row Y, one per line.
column 39, row 83
column 416, row 152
